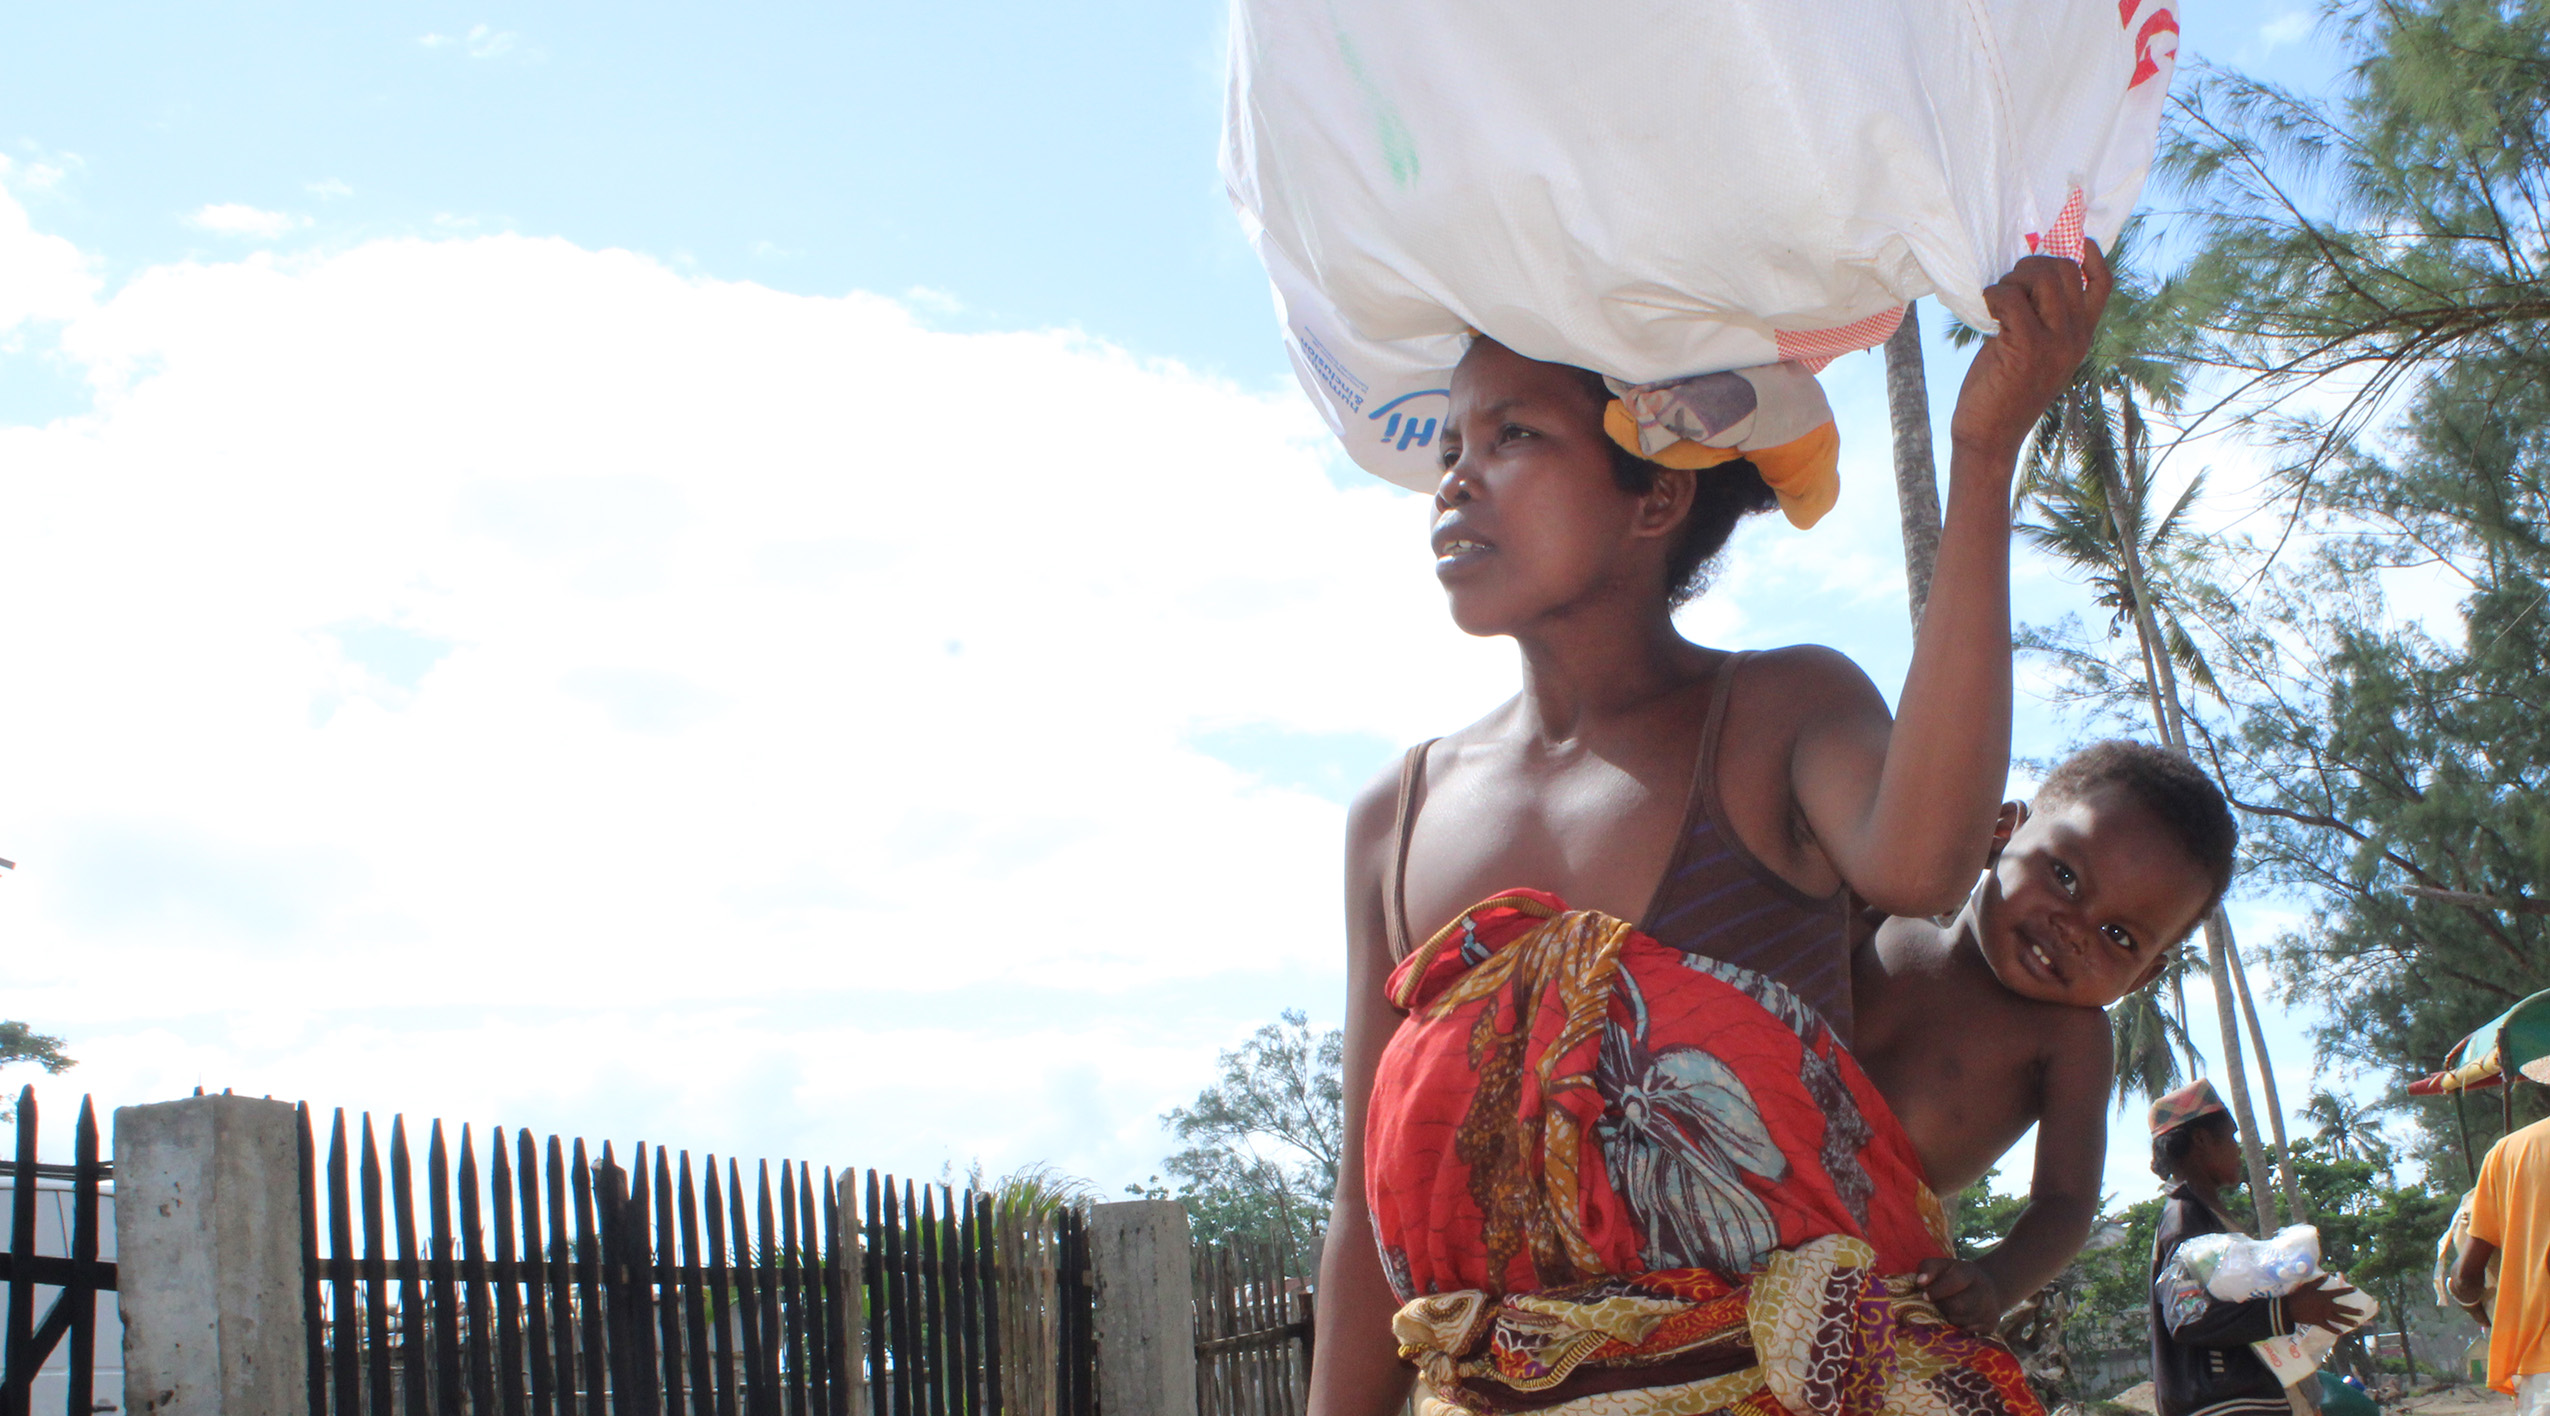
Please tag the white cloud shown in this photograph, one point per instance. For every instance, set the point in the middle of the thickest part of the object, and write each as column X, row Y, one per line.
column 329, row 190
column 2290, row 27
column 496, row 679
column 242, row 220
column 481, row 42
column 458, row 644
column 41, row 277
column 40, row 176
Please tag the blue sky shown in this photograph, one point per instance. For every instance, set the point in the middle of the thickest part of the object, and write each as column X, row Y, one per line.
column 1046, row 165
column 752, row 578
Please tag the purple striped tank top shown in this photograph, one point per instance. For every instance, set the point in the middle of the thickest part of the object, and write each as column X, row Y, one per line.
column 1715, row 898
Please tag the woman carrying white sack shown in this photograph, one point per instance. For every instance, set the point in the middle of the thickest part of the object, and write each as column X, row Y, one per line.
column 1703, row 202
column 1567, row 268
column 2202, row 1358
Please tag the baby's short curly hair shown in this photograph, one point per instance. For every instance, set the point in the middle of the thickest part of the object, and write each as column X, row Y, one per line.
column 2174, row 789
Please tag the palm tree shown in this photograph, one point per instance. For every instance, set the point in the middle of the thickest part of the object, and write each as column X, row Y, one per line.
column 2149, row 1038
column 1037, row 1190
column 1916, row 471
column 2088, row 475
column 2347, row 1128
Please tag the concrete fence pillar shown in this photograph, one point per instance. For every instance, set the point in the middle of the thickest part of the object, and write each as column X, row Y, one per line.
column 1138, row 1252
column 208, row 1252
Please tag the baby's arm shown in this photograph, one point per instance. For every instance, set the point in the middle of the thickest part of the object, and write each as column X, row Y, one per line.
column 2071, row 1159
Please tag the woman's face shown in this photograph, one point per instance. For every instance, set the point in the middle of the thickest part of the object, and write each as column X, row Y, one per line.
column 2217, row 1155
column 1529, row 522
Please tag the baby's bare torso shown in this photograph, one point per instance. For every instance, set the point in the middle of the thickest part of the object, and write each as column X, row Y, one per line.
column 1961, row 1060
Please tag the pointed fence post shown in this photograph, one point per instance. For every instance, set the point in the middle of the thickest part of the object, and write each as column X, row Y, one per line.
column 208, row 1208
column 850, row 1326
column 1139, row 1252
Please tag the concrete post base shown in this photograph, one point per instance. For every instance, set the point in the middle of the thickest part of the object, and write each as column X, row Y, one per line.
column 208, row 1251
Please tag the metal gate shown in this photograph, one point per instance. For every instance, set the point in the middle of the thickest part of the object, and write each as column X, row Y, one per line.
column 53, row 1274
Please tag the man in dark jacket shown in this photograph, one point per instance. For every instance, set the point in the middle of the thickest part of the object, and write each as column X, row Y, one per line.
column 2201, row 1362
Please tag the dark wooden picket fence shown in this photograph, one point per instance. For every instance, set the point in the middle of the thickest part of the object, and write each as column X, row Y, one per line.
column 567, row 1285
column 75, row 1279
column 1252, row 1332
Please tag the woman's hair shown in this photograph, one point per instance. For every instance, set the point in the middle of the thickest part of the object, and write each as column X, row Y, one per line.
column 2170, row 1147
column 1721, row 496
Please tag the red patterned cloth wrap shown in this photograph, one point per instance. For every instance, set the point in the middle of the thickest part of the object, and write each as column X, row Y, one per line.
column 1609, row 1177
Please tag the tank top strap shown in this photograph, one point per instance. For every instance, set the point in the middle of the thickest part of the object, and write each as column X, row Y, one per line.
column 1717, row 899
column 1705, row 774
column 1412, row 785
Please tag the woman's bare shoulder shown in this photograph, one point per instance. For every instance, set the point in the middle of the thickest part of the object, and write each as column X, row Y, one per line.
column 1795, row 671
column 1783, row 697
column 1371, row 818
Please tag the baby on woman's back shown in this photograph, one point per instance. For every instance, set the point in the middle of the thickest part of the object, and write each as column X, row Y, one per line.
column 1977, row 1029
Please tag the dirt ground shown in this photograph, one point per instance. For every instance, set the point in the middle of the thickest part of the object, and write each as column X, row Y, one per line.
column 2440, row 1401
column 2455, row 1401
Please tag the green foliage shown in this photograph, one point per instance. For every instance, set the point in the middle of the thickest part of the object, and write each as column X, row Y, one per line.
column 2112, row 1283
column 1037, row 1190
column 2150, row 1038
column 2374, row 756
column 2379, row 237
column 20, row 1043
column 2382, row 1236
column 2368, row 271
column 2347, row 1130
column 1979, row 1217
column 2375, row 1232
column 1263, row 1144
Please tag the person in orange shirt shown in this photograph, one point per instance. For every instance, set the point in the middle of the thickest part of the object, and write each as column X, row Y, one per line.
column 2510, row 1213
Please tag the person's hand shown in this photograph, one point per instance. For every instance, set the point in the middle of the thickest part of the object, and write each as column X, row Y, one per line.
column 2474, row 1303
column 1963, row 1292
column 2048, row 309
column 2315, row 1304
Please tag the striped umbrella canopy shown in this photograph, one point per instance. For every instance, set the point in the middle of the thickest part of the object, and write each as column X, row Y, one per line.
column 2517, row 1039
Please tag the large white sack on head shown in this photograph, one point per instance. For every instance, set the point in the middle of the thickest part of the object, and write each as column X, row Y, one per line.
column 1661, row 188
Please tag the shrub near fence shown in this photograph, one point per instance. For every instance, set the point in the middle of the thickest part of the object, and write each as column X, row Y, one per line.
column 1047, row 1343
column 569, row 1286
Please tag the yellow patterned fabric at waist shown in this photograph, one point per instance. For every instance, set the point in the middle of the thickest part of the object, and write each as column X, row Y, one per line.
column 1816, row 1330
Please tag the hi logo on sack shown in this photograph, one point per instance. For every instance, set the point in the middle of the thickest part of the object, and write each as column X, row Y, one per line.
column 2157, row 21
column 1407, row 427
